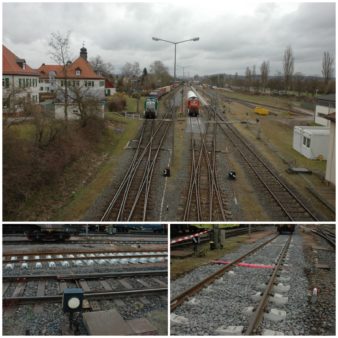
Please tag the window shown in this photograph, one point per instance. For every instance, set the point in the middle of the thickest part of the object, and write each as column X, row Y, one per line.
column 78, row 72
column 306, row 141
column 40, row 81
column 61, row 83
column 85, row 83
column 41, row 89
column 101, row 83
column 7, row 82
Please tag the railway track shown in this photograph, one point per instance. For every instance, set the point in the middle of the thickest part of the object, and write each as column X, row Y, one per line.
column 328, row 235
column 133, row 197
column 249, row 320
column 128, row 257
column 284, row 204
column 204, row 200
column 94, row 241
column 182, row 297
column 28, row 289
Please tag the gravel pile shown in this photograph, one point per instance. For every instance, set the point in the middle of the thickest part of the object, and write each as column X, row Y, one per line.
column 49, row 321
column 321, row 314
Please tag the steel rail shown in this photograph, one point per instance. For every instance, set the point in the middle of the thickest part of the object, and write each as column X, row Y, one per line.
column 27, row 242
column 146, row 181
column 322, row 234
column 192, row 168
column 86, row 276
column 269, row 170
column 181, row 298
column 258, row 314
column 125, row 178
column 129, row 175
column 10, row 301
column 37, row 253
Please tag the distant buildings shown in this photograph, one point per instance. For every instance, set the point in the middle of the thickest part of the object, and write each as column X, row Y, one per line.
column 319, row 142
column 47, row 84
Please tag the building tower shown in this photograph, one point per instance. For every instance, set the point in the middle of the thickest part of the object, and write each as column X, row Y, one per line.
column 83, row 52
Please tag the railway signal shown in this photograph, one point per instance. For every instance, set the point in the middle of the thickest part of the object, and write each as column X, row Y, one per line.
column 72, row 302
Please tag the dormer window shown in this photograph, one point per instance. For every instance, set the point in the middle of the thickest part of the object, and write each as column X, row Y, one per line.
column 77, row 71
column 21, row 63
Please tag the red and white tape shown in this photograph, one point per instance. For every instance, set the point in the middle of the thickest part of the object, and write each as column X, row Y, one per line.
column 186, row 238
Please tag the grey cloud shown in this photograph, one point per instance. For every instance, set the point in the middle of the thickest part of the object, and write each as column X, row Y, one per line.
column 230, row 39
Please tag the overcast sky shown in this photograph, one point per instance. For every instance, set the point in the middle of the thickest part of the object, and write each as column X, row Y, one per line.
column 233, row 35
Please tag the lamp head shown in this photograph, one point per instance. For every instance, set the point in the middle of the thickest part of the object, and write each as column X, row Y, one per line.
column 195, row 39
column 156, row 39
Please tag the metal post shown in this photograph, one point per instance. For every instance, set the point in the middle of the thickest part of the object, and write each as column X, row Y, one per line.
column 250, row 231
column 175, row 64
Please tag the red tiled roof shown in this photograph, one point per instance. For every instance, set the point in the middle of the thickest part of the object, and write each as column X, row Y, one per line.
column 45, row 69
column 11, row 67
column 87, row 71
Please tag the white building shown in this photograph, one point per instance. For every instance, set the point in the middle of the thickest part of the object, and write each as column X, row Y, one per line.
column 326, row 104
column 330, row 174
column 19, row 82
column 81, row 80
column 311, row 142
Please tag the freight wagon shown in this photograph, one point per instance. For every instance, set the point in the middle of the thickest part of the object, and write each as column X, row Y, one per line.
column 285, row 228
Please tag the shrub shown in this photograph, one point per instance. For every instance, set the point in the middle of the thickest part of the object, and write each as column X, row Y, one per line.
column 117, row 102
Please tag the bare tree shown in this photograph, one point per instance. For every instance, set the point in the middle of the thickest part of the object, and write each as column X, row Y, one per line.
column 288, row 66
column 248, row 77
column 265, row 69
column 130, row 70
column 298, row 83
column 59, row 52
column 100, row 66
column 255, row 80
column 87, row 103
column 159, row 73
column 327, row 68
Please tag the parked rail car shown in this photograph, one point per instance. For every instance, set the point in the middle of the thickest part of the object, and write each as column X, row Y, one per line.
column 150, row 107
column 193, row 104
column 12, row 229
column 151, row 104
column 51, row 233
column 285, row 228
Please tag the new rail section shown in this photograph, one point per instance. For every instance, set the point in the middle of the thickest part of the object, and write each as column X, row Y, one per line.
column 252, row 327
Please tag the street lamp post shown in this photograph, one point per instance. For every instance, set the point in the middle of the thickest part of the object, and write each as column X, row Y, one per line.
column 175, row 44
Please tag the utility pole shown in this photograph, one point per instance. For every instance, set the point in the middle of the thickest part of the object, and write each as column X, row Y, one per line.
column 216, row 238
